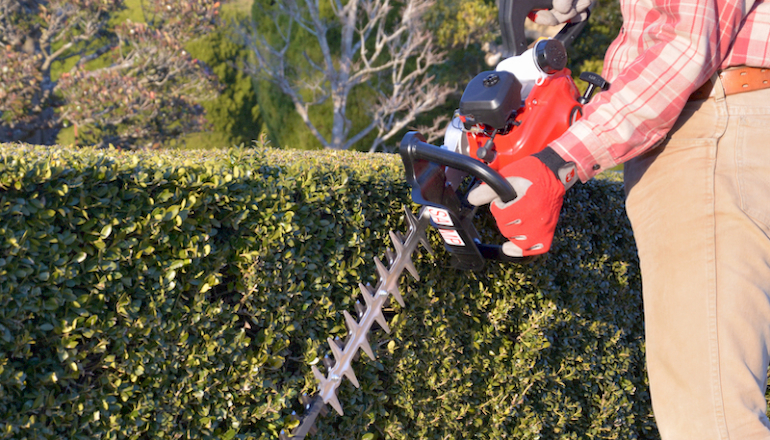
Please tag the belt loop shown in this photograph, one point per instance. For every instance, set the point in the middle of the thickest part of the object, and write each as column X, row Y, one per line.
column 719, row 89
column 720, row 102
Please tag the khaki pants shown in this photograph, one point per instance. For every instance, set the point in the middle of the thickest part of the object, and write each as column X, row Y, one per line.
column 699, row 205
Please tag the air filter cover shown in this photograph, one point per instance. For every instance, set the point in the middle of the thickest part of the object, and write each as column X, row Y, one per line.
column 491, row 98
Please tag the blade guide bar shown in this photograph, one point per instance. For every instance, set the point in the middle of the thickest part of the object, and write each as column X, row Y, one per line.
column 371, row 312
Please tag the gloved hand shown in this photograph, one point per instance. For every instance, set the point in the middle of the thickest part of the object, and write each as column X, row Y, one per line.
column 562, row 12
column 529, row 221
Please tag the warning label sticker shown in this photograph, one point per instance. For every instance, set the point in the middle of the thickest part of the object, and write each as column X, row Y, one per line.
column 451, row 237
column 440, row 216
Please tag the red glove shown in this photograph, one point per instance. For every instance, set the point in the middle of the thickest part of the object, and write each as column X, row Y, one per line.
column 528, row 221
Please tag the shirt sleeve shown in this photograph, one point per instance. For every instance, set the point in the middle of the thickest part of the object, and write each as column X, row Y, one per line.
column 665, row 51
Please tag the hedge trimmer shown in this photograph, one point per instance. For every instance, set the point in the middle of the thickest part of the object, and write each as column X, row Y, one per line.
column 505, row 115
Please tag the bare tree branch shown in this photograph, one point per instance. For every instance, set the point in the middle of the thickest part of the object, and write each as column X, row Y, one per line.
column 383, row 47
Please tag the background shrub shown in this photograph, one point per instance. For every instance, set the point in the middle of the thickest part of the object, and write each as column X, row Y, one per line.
column 184, row 295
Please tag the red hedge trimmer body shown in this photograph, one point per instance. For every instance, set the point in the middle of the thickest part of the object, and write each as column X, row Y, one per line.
column 551, row 107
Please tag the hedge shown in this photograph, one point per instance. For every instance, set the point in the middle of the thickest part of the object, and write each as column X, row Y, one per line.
column 185, row 296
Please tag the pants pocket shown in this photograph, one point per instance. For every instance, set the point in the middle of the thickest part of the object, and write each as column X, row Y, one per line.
column 753, row 167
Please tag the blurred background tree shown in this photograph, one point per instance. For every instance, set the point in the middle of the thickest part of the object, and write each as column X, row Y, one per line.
column 282, row 124
column 333, row 59
column 79, row 63
column 140, row 73
column 234, row 115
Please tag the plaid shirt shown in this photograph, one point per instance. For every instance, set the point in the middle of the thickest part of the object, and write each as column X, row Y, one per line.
column 665, row 51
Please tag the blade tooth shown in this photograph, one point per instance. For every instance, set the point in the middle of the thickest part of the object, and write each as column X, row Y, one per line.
column 367, row 347
column 319, row 377
column 396, row 292
column 368, row 293
column 409, row 264
column 282, row 435
column 422, row 237
column 399, row 298
column 328, row 363
column 305, row 400
column 398, row 242
column 380, row 318
column 384, row 272
column 390, row 256
column 381, row 269
column 360, row 309
column 413, row 225
column 353, row 330
column 352, row 377
column 426, row 245
column 410, row 218
column 351, row 322
column 335, row 403
column 336, row 351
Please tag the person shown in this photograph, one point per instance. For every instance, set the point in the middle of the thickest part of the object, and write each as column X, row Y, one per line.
column 688, row 113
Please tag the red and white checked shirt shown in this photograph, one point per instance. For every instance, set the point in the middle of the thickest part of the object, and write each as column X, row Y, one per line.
column 665, row 51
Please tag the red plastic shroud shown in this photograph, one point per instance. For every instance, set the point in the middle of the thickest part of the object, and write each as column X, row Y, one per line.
column 551, row 107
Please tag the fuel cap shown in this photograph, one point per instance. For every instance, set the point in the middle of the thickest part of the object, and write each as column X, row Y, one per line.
column 550, row 55
column 491, row 80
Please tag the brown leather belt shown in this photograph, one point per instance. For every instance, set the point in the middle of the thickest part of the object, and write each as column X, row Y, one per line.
column 736, row 80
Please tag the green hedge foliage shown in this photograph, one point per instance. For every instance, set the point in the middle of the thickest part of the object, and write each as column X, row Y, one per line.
column 185, row 295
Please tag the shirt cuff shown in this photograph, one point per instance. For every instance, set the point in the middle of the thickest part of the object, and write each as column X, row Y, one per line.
column 583, row 147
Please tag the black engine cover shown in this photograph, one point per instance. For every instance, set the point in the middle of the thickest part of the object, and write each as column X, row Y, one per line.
column 491, row 98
